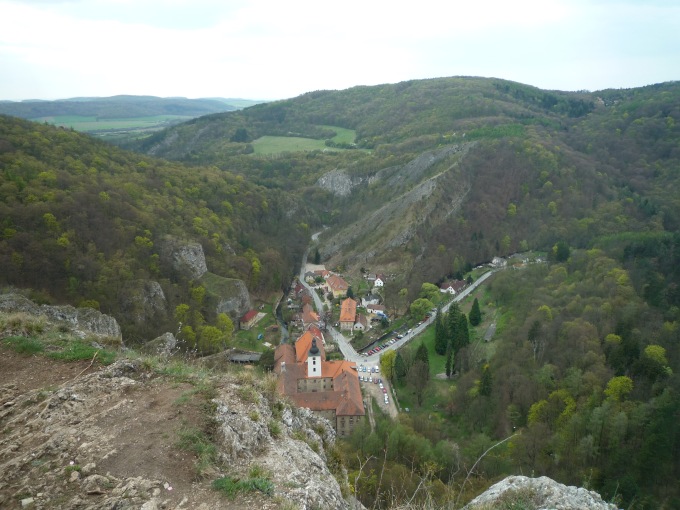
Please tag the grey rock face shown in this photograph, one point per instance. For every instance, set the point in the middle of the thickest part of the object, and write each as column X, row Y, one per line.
column 299, row 472
column 186, row 258
column 235, row 302
column 143, row 301
column 163, row 345
column 541, row 493
column 338, row 182
column 82, row 321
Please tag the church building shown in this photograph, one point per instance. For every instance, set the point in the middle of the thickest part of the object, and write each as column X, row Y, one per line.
column 329, row 388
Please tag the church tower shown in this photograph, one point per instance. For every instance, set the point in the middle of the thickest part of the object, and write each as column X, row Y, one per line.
column 314, row 361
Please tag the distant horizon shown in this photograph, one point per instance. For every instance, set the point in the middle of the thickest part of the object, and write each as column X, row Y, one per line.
column 53, row 50
column 232, row 98
column 71, row 98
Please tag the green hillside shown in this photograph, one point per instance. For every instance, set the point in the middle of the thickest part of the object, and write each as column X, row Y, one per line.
column 80, row 220
column 454, row 172
column 422, row 181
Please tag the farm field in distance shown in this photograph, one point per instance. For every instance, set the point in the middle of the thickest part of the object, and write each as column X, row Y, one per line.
column 111, row 129
column 277, row 144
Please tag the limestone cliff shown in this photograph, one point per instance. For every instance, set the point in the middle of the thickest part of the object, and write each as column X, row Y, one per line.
column 185, row 258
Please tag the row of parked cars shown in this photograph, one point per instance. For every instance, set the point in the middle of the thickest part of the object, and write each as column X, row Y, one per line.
column 369, row 379
column 381, row 347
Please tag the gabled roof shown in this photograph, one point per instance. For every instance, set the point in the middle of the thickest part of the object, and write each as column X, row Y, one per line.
column 348, row 311
column 345, row 397
column 336, row 283
column 308, row 314
column 361, row 319
column 249, row 315
column 303, row 344
column 377, row 308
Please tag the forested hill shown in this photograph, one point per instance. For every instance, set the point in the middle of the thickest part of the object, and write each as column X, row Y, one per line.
column 442, row 174
column 419, row 180
column 118, row 107
column 82, row 221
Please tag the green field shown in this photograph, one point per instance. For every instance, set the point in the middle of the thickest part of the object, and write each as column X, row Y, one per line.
column 92, row 124
column 277, row 144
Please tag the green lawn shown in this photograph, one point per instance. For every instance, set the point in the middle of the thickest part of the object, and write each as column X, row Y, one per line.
column 247, row 339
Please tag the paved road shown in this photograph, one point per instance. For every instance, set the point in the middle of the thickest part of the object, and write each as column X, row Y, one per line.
column 343, row 343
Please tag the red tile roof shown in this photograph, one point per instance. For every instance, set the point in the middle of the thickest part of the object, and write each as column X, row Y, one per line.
column 348, row 311
column 250, row 315
column 336, row 283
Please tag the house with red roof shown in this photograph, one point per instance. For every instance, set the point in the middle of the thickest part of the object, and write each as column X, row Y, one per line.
column 348, row 314
column 337, row 285
column 248, row 320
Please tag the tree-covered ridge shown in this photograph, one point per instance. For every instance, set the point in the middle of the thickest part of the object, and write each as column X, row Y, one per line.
column 432, row 110
column 116, row 107
column 80, row 218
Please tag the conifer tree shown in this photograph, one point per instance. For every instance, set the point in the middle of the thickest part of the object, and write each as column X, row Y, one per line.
column 475, row 313
column 399, row 367
column 423, row 355
column 463, row 331
column 452, row 322
column 441, row 338
column 486, row 381
column 449, row 361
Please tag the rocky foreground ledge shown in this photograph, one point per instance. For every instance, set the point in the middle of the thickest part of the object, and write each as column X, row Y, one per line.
column 541, row 493
column 131, row 436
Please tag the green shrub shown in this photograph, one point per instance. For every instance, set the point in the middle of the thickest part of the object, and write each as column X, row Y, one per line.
column 24, row 345
column 274, row 428
column 232, row 486
column 78, row 351
column 197, row 442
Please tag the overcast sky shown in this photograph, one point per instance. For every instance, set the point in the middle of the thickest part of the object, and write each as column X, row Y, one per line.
column 273, row 49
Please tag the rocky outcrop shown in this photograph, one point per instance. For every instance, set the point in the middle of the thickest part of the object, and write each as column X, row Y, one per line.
column 539, row 493
column 83, row 322
column 417, row 197
column 164, row 345
column 227, row 295
column 186, row 258
column 339, row 182
column 109, row 439
column 143, row 302
column 296, row 458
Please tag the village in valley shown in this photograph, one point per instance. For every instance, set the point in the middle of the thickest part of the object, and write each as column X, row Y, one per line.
column 311, row 371
column 329, row 356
